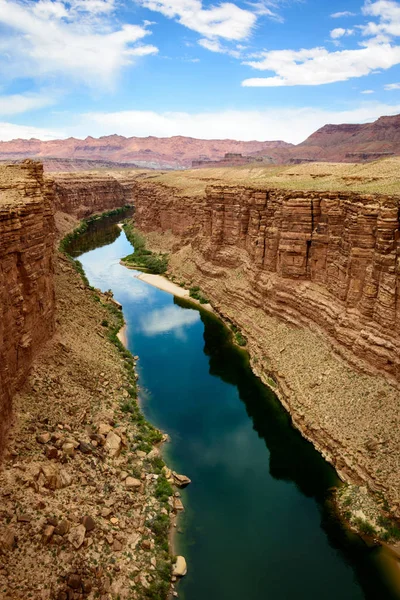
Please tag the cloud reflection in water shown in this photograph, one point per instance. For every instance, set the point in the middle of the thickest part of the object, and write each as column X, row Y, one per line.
column 169, row 319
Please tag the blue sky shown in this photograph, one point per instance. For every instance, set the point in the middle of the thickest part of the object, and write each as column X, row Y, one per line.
column 255, row 69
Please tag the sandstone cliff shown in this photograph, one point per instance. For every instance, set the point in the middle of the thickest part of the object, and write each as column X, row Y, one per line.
column 82, row 194
column 26, row 275
column 28, row 204
column 300, row 272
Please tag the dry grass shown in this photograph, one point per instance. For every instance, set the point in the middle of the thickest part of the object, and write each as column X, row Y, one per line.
column 377, row 177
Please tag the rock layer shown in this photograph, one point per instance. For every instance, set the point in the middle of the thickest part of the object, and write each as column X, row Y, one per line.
column 28, row 203
column 26, row 276
column 325, row 259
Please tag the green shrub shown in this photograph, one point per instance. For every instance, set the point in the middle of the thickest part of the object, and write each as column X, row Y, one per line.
column 142, row 258
column 194, row 292
column 163, row 489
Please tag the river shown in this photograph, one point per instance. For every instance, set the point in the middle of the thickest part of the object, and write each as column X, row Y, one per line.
column 258, row 522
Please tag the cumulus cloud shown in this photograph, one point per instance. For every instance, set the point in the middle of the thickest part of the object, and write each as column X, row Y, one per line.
column 75, row 39
column 225, row 20
column 289, row 124
column 392, row 86
column 317, row 66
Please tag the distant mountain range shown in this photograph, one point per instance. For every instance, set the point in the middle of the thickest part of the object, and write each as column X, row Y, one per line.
column 334, row 143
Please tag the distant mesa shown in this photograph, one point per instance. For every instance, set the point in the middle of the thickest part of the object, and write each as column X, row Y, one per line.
column 331, row 143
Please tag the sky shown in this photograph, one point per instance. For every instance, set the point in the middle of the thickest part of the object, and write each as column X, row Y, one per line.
column 249, row 69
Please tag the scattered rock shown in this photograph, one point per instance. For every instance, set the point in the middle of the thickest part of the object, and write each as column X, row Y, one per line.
column 55, row 478
column 85, row 448
column 63, row 527
column 68, row 449
column 51, row 452
column 22, row 518
column 180, row 480
column 77, row 536
column 113, row 444
column 117, row 546
column 180, row 568
column 48, row 533
column 43, row 438
column 178, row 506
column 8, row 540
column 132, row 484
column 89, row 523
column 74, row 582
column 104, row 429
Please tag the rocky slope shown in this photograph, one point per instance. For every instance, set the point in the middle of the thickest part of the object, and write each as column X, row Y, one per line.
column 27, row 316
column 86, row 504
column 352, row 143
column 301, row 272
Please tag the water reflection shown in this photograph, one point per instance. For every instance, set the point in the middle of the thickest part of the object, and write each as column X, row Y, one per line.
column 257, row 524
column 170, row 318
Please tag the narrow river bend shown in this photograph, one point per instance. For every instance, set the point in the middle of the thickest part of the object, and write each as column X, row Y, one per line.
column 257, row 522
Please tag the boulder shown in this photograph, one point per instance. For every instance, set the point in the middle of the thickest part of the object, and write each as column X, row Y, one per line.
column 132, row 484
column 180, row 480
column 113, row 444
column 77, row 536
column 180, row 568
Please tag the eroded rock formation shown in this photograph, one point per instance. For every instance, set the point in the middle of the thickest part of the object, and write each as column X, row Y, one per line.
column 26, row 275
column 28, row 203
column 329, row 259
column 300, row 273
column 82, row 194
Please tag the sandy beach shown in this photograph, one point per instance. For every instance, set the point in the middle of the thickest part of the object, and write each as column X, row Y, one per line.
column 164, row 284
column 121, row 335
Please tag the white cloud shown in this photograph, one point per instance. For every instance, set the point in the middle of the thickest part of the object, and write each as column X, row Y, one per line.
column 75, row 39
column 318, row 66
column 392, row 86
column 368, row 92
column 289, row 124
column 225, row 20
column 20, row 103
column 344, row 13
column 263, row 8
column 340, row 32
column 216, row 46
column 388, row 13
column 10, row 131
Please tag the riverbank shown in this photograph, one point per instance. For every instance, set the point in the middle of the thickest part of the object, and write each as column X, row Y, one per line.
column 162, row 283
column 77, row 488
column 342, row 421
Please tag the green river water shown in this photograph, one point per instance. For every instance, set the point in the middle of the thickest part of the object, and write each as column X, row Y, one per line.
column 258, row 523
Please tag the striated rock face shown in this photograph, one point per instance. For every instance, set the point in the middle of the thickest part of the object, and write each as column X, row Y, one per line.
column 325, row 259
column 28, row 203
column 82, row 194
column 301, row 273
column 26, row 275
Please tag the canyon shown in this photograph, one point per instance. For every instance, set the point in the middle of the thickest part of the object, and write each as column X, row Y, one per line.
column 74, row 521
column 309, row 276
column 301, row 273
